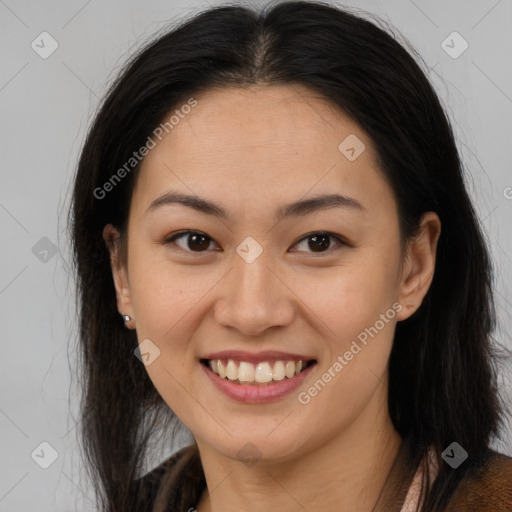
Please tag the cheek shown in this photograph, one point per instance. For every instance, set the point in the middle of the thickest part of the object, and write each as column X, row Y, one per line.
column 356, row 343
column 163, row 293
column 167, row 304
column 167, row 297
column 347, row 299
column 349, row 305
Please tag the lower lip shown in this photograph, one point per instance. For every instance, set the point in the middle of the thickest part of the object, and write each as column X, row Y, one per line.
column 257, row 394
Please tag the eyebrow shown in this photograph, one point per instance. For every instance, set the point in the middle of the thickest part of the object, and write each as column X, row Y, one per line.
column 296, row 209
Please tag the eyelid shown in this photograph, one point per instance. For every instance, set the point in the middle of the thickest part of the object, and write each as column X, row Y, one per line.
column 181, row 234
column 338, row 238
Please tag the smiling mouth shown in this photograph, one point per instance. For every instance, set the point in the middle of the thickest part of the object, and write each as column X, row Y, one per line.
column 261, row 374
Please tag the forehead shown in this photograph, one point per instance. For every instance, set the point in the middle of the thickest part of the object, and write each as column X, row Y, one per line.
column 262, row 143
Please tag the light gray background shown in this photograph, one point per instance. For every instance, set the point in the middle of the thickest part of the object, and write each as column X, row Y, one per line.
column 46, row 106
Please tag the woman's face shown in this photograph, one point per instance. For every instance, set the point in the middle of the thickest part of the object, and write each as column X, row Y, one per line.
column 258, row 283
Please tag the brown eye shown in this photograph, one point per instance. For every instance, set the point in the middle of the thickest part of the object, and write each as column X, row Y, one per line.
column 198, row 242
column 320, row 241
column 195, row 241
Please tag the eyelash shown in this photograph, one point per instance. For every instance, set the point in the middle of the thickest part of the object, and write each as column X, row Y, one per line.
column 182, row 234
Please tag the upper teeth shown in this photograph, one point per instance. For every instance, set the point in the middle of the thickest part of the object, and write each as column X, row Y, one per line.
column 262, row 372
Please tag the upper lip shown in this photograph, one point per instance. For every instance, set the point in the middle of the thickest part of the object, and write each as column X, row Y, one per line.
column 257, row 357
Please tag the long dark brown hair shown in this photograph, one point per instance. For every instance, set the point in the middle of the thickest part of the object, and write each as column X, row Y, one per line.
column 442, row 378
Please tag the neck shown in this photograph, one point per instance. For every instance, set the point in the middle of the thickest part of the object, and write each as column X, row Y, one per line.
column 347, row 473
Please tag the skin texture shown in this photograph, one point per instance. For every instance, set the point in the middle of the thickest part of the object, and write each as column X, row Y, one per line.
column 252, row 151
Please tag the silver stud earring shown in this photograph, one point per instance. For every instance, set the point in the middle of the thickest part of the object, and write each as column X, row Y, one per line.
column 126, row 318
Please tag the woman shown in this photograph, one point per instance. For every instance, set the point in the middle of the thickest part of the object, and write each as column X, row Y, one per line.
column 275, row 245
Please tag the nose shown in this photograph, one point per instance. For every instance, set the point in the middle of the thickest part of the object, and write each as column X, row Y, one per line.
column 254, row 298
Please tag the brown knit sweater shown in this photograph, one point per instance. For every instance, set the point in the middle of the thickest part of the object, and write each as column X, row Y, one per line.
column 178, row 483
column 488, row 488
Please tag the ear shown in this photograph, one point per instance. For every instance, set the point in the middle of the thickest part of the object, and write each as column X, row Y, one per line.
column 419, row 265
column 119, row 273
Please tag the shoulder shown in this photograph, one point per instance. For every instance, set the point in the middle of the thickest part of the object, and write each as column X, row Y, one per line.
column 488, row 487
column 177, row 481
